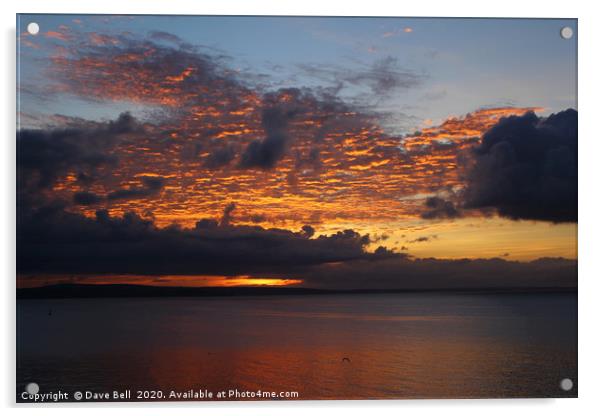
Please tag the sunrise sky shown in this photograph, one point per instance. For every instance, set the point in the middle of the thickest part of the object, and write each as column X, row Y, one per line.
column 326, row 152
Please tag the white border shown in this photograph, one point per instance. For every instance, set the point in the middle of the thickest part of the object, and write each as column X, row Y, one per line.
column 589, row 199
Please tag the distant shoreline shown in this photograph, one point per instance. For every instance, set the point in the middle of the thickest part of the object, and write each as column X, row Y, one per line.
column 65, row 291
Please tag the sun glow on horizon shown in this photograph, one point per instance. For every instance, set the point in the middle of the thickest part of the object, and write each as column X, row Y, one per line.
column 171, row 281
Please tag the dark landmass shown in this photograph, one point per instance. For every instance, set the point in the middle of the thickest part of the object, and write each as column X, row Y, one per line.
column 141, row 291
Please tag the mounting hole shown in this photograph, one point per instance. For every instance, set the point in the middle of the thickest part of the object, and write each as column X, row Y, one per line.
column 33, row 28
column 566, row 384
column 32, row 388
column 566, row 32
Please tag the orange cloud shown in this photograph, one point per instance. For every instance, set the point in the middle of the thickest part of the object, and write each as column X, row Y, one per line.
column 57, row 35
column 339, row 166
column 360, row 175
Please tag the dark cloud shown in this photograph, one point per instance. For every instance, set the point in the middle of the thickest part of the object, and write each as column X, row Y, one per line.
column 322, row 112
column 53, row 241
column 257, row 218
column 526, row 168
column 377, row 238
column 382, row 78
column 45, row 155
column 440, row 208
column 86, row 198
column 383, row 252
column 132, row 193
column 424, row 239
column 85, row 179
column 221, row 156
column 227, row 216
column 151, row 185
column 308, row 230
column 395, row 271
column 206, row 223
column 275, row 119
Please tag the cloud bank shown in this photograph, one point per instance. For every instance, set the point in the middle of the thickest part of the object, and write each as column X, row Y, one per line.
column 526, row 168
column 52, row 241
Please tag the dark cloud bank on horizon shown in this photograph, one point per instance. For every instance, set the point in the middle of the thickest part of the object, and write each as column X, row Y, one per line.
column 53, row 241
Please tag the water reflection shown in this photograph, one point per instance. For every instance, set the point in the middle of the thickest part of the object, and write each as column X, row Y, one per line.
column 398, row 346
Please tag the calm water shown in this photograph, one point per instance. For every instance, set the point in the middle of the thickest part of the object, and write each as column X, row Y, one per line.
column 398, row 345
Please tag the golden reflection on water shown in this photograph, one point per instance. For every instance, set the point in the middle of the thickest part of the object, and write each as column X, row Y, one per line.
column 417, row 369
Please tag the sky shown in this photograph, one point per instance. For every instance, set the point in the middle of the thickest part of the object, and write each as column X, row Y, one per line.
column 323, row 152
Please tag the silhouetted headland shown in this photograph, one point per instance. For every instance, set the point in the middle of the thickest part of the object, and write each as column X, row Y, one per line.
column 126, row 291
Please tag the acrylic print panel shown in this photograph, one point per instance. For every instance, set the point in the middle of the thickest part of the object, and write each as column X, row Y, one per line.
column 295, row 208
